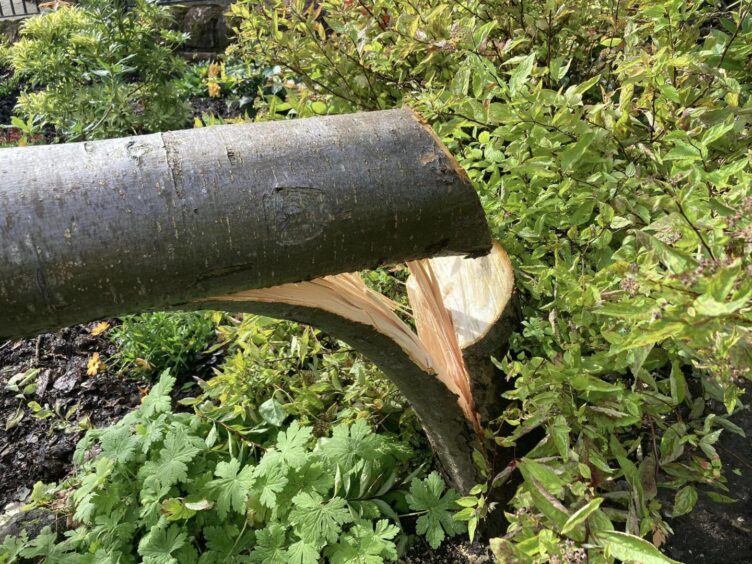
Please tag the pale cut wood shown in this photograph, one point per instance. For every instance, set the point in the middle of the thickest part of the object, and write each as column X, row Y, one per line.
column 475, row 292
column 440, row 369
column 477, row 295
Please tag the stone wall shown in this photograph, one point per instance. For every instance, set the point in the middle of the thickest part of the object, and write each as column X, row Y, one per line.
column 206, row 24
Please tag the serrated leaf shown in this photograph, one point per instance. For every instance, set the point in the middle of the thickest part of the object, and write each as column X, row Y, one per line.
column 366, row 543
column 317, row 520
column 119, row 444
column 302, row 552
column 172, row 465
column 350, row 445
column 437, row 522
column 270, row 481
column 231, row 487
column 290, row 449
column 158, row 546
column 270, row 545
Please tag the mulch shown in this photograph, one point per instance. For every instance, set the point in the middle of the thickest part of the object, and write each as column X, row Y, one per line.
column 34, row 449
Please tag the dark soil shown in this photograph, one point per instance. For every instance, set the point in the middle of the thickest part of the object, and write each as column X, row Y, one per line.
column 220, row 107
column 41, row 449
column 718, row 532
column 452, row 551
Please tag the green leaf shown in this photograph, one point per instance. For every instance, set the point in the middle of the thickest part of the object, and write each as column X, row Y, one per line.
column 683, row 151
column 172, row 465
column 468, row 501
column 716, row 132
column 437, row 522
column 316, row 520
column 272, row 412
column 630, row 548
column 231, row 487
column 302, row 552
column 709, row 306
column 175, row 510
column 657, row 333
column 575, row 152
column 531, row 469
column 158, row 400
column 521, row 73
column 559, row 431
column 118, row 443
column 290, row 449
column 270, row 481
column 226, row 545
column 158, row 546
column 366, row 544
column 580, row 516
column 270, row 545
column 350, row 445
column 678, row 383
column 685, row 501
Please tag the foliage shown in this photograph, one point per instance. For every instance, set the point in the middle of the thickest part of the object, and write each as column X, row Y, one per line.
column 310, row 376
column 175, row 487
column 98, row 70
column 153, row 342
column 234, row 81
column 610, row 144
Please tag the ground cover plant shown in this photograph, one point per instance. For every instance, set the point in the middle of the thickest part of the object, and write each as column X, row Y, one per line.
column 168, row 487
column 155, row 342
column 610, row 144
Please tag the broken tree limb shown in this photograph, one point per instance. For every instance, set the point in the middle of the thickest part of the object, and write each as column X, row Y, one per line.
column 465, row 311
column 478, row 296
column 343, row 306
column 462, row 311
column 99, row 229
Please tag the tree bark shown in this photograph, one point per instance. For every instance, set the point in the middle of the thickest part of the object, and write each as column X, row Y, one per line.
column 99, row 229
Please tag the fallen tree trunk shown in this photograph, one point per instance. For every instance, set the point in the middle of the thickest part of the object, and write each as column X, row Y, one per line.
column 98, row 229
column 237, row 218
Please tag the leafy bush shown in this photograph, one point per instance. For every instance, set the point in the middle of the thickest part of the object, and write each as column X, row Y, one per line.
column 316, row 379
column 98, row 70
column 609, row 142
column 154, row 342
column 173, row 487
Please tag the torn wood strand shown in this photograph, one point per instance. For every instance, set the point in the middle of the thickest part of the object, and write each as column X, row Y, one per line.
column 346, row 308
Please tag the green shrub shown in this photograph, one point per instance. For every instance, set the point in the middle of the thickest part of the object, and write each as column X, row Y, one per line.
column 154, row 342
column 610, row 144
column 314, row 378
column 176, row 487
column 98, row 70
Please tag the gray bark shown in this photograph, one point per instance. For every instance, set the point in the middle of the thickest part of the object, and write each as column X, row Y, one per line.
column 99, row 229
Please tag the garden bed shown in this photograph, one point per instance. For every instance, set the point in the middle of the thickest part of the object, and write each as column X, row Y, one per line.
column 35, row 448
